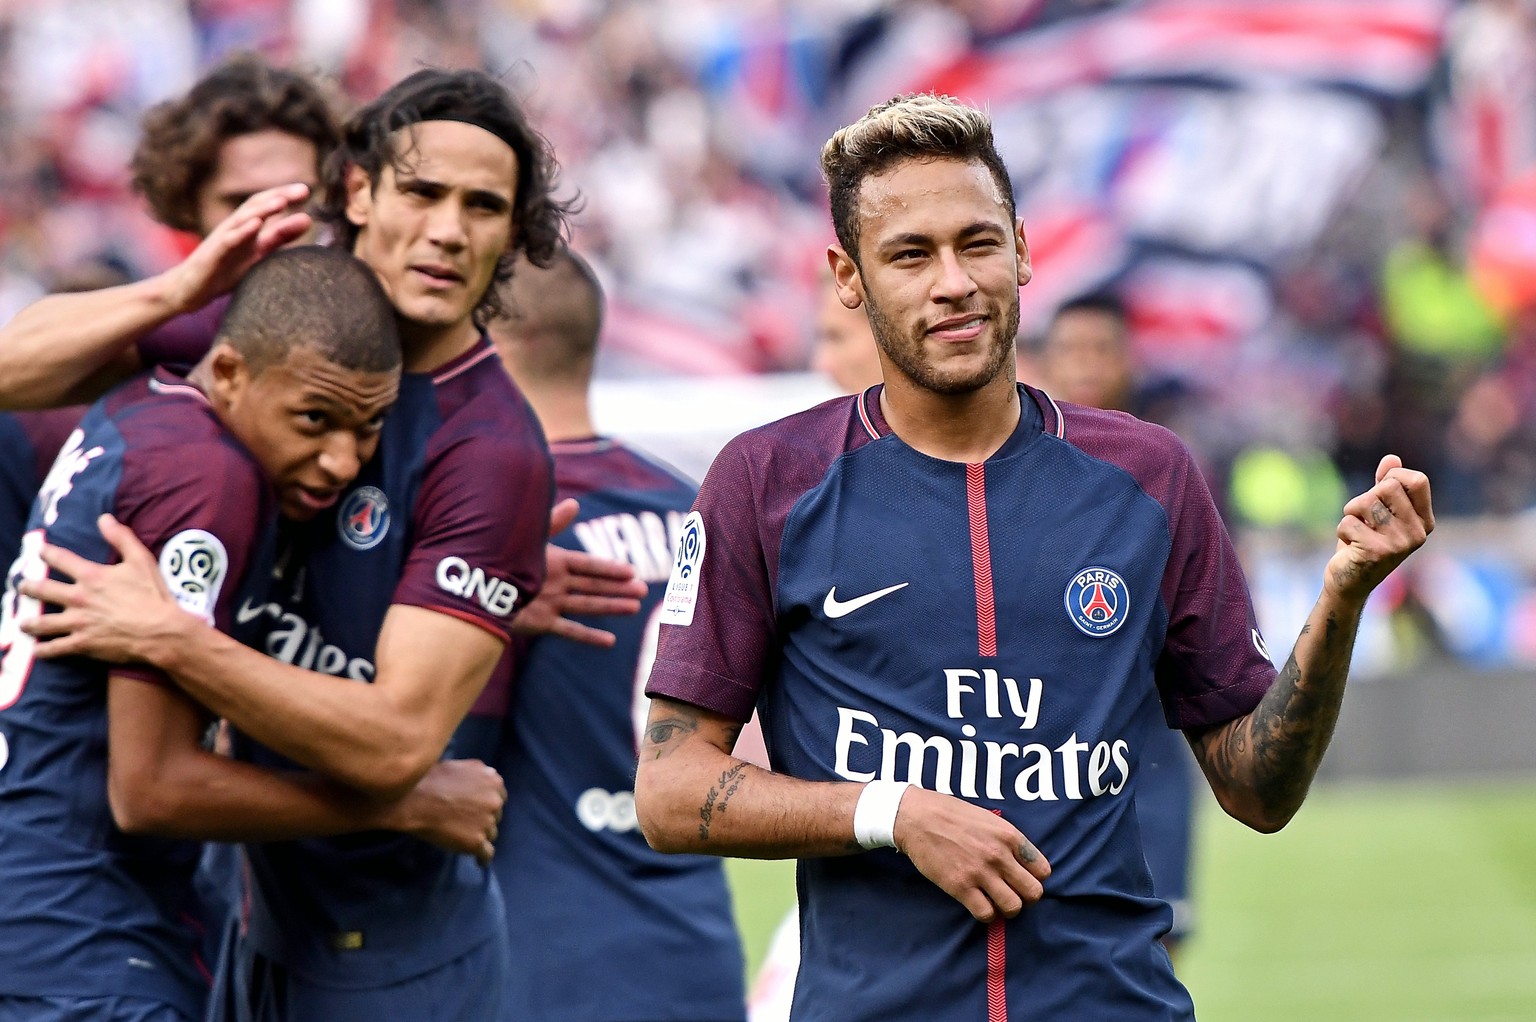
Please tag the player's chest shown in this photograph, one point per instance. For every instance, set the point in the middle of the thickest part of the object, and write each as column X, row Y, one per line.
column 927, row 570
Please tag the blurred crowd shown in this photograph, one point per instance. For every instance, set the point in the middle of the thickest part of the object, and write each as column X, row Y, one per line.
column 1345, row 265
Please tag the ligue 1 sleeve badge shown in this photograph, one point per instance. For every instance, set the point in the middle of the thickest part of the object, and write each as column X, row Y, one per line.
column 1097, row 601
column 363, row 518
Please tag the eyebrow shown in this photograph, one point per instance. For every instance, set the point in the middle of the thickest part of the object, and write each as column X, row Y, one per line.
column 916, row 238
column 478, row 194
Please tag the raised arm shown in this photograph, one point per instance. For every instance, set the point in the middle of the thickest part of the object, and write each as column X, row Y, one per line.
column 68, row 348
column 161, row 781
column 1261, row 765
column 693, row 795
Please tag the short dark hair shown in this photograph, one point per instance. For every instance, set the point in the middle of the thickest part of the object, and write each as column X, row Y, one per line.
column 555, row 313
column 317, row 297
column 539, row 220
column 921, row 126
column 179, row 145
column 1103, row 302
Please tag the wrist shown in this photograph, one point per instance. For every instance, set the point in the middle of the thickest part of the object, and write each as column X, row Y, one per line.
column 165, row 294
column 874, row 816
column 172, row 644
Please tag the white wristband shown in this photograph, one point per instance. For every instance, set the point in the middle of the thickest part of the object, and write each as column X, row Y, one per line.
column 874, row 818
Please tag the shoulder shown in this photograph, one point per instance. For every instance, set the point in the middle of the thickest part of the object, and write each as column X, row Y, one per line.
column 171, row 439
column 1153, row 455
column 483, row 413
column 608, row 464
column 798, row 449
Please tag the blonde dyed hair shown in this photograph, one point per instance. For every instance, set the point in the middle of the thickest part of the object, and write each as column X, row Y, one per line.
column 921, row 126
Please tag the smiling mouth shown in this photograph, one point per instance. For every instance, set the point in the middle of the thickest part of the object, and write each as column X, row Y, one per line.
column 964, row 329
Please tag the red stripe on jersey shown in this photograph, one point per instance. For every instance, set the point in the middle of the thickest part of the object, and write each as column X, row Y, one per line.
column 869, row 423
column 464, row 367
column 997, row 965
column 981, row 559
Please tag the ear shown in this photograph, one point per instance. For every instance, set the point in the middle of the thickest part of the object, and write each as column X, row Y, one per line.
column 1021, row 246
column 845, row 277
column 359, row 195
column 229, row 376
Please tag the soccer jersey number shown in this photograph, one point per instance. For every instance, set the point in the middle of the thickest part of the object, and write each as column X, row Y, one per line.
column 17, row 648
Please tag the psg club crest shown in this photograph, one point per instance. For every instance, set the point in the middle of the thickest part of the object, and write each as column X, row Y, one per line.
column 363, row 519
column 1097, row 601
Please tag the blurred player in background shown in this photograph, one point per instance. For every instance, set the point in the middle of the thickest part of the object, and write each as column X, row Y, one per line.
column 845, row 349
column 1085, row 358
column 244, row 127
column 603, row 928
column 952, row 581
column 103, row 777
column 409, row 580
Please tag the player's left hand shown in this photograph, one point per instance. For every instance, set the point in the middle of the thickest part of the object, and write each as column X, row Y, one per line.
column 1380, row 528
column 119, row 613
column 578, row 583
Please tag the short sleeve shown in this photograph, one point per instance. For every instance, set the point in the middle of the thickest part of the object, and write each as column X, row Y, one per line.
column 479, row 526
column 200, row 509
column 1214, row 665
column 718, row 628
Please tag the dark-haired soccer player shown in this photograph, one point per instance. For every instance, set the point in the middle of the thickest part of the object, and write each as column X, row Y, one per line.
column 410, row 583
column 102, row 775
column 952, row 581
column 586, row 897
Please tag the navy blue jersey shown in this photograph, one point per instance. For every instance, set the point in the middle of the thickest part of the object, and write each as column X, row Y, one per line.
column 86, row 910
column 1008, row 632
column 451, row 515
column 29, row 441
column 603, row 928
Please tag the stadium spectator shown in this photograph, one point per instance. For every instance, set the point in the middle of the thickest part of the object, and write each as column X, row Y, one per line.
column 942, row 569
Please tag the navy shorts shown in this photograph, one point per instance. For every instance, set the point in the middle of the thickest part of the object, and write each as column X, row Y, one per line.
column 87, row 1009
column 251, row 988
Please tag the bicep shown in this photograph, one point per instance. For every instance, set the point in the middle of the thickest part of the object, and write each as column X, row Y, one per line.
column 148, row 724
column 433, row 665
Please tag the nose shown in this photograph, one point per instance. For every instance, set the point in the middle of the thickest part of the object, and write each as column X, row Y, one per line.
column 445, row 225
column 954, row 283
column 340, row 459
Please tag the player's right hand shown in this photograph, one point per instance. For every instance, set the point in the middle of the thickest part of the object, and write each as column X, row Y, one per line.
column 456, row 805
column 978, row 858
column 260, row 226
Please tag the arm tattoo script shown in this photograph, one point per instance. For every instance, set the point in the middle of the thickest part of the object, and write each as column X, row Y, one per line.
column 719, row 797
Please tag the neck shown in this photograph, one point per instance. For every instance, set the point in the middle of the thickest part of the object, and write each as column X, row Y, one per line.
column 966, row 427
column 565, row 413
column 428, row 346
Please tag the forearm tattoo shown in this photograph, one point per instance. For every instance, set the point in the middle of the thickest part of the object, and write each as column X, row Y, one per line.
column 719, row 797
column 1275, row 750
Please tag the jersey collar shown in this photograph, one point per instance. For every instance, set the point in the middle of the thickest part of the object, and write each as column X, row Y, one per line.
column 1049, row 418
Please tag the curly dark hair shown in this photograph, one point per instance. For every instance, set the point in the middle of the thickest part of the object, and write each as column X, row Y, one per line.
column 540, row 221
column 179, row 147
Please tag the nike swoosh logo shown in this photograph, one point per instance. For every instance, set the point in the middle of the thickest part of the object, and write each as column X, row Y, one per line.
column 249, row 611
column 835, row 608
